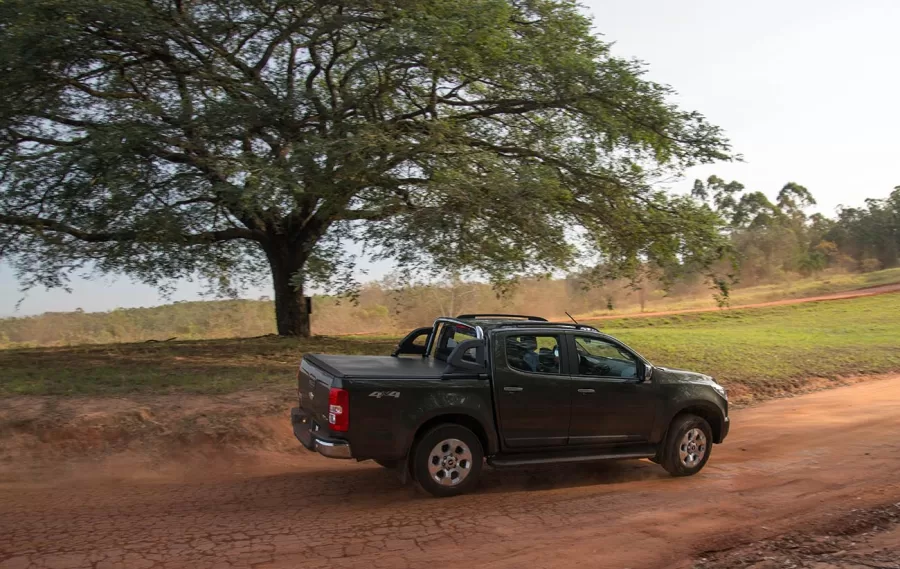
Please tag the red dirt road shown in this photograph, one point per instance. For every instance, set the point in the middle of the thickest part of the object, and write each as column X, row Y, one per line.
column 787, row 464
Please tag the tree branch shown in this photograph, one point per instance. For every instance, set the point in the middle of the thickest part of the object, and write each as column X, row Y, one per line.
column 371, row 214
column 108, row 95
column 43, row 224
column 44, row 140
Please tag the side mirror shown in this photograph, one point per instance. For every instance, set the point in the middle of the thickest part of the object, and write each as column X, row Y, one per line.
column 408, row 346
column 469, row 357
column 648, row 372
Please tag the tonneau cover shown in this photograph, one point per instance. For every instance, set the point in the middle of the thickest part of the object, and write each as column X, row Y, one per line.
column 378, row 367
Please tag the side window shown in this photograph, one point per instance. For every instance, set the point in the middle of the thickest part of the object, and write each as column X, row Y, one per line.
column 598, row 357
column 535, row 354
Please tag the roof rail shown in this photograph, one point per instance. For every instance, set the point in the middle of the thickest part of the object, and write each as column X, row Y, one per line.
column 546, row 324
column 472, row 316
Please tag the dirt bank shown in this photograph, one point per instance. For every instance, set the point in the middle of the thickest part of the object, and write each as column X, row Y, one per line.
column 787, row 466
column 44, row 433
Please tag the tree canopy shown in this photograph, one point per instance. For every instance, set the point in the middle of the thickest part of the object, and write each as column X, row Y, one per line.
column 173, row 138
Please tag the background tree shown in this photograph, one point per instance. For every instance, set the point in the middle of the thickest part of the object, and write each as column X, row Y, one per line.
column 171, row 138
column 870, row 233
column 767, row 237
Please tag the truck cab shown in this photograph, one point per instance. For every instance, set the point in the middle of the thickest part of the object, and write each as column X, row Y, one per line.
column 507, row 390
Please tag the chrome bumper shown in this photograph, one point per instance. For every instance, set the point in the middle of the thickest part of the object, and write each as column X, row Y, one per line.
column 331, row 448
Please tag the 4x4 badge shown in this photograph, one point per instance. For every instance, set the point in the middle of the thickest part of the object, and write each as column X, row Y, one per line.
column 380, row 394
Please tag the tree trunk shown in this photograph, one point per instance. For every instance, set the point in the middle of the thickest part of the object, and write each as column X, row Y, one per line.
column 287, row 263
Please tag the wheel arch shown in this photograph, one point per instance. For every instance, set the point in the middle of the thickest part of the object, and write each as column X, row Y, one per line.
column 705, row 410
column 488, row 445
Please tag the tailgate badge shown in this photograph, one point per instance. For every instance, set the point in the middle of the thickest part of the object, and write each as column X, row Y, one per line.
column 312, row 395
column 380, row 394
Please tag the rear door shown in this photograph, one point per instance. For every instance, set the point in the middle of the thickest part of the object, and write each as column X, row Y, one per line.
column 531, row 389
column 611, row 404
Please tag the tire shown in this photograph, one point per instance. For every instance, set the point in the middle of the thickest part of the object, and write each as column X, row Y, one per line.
column 688, row 445
column 389, row 464
column 447, row 461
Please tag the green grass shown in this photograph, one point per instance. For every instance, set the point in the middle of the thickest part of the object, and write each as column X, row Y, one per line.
column 765, row 351
column 756, row 352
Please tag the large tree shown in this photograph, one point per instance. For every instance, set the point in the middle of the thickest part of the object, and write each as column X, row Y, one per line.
column 169, row 138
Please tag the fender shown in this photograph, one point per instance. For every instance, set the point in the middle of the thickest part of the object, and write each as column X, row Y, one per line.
column 713, row 414
column 479, row 419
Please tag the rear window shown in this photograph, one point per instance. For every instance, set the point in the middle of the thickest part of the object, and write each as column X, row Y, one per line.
column 533, row 353
column 449, row 336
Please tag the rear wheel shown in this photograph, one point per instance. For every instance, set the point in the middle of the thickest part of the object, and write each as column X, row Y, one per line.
column 447, row 461
column 688, row 445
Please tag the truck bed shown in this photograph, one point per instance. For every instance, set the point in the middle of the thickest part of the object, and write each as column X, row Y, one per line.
column 377, row 367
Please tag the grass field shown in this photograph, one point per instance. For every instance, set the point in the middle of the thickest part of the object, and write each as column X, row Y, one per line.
column 765, row 351
column 756, row 352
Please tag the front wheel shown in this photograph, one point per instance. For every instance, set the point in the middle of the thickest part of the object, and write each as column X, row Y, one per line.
column 447, row 461
column 688, row 445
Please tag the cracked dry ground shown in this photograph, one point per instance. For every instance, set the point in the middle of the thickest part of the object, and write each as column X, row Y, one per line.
column 787, row 465
column 860, row 539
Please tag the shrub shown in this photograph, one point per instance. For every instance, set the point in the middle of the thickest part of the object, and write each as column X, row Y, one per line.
column 869, row 265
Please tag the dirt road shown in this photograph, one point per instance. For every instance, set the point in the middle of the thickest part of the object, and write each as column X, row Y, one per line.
column 787, row 464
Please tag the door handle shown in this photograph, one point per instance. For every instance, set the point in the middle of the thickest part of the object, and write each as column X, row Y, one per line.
column 586, row 391
column 512, row 389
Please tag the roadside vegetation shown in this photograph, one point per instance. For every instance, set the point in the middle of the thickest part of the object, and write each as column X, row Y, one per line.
column 383, row 308
column 789, row 288
column 757, row 353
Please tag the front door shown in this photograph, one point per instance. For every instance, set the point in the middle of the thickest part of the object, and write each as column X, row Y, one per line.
column 611, row 404
column 532, row 391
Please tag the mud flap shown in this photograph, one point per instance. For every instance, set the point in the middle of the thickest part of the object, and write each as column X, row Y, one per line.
column 403, row 471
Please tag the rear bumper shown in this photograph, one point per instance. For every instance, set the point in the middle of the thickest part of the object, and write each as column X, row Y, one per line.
column 304, row 431
column 333, row 449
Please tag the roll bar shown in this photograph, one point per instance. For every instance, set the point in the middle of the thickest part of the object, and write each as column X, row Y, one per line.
column 474, row 316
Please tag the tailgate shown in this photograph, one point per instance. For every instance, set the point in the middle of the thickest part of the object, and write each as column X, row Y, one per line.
column 313, row 387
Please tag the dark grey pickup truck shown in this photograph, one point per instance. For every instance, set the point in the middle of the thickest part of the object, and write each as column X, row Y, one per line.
column 514, row 390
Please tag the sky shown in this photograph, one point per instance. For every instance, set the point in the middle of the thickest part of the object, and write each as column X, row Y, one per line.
column 806, row 91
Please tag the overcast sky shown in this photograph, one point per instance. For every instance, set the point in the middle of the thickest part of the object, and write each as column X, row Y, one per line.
column 805, row 89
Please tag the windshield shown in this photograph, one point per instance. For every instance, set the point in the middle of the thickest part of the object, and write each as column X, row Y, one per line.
column 449, row 335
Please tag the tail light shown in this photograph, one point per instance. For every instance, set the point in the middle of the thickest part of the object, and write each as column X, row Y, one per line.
column 339, row 409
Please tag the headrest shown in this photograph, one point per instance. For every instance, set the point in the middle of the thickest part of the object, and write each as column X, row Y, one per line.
column 528, row 342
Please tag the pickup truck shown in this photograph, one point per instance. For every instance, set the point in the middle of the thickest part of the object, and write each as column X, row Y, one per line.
column 509, row 391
